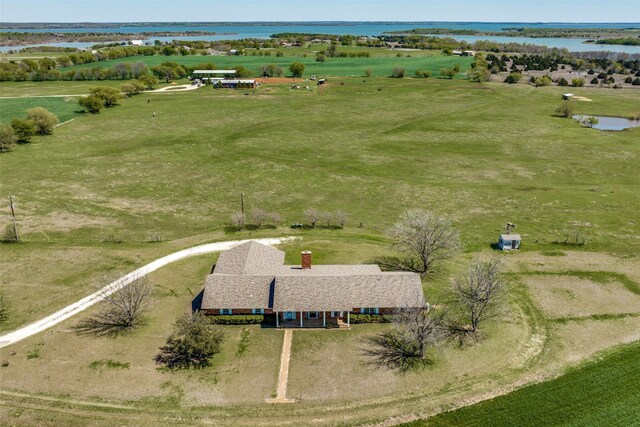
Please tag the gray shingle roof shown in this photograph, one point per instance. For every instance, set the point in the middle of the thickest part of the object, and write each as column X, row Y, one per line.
column 252, row 275
column 249, row 258
column 236, row 291
column 337, row 293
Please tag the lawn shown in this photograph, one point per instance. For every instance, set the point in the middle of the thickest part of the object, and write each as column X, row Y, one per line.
column 64, row 108
column 371, row 148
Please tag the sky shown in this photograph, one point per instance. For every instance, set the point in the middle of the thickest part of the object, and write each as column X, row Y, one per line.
column 319, row 10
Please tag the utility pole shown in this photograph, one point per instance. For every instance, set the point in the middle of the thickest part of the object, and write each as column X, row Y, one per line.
column 242, row 203
column 13, row 217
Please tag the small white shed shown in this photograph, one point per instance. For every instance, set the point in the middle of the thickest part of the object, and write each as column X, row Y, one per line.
column 509, row 242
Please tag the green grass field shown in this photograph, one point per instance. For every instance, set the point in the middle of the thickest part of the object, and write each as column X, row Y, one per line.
column 379, row 65
column 483, row 154
column 602, row 393
column 64, row 108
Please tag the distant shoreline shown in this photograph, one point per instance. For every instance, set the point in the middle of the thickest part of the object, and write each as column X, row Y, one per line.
column 79, row 25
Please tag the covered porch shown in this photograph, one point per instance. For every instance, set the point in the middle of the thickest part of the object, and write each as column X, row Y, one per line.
column 313, row 319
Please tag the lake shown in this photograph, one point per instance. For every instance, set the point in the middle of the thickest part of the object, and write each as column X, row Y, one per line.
column 611, row 123
column 263, row 30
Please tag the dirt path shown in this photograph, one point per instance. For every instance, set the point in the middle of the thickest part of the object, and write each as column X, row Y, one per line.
column 178, row 88
column 86, row 302
column 283, row 376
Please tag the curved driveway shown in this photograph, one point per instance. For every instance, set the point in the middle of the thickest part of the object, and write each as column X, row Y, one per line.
column 86, row 302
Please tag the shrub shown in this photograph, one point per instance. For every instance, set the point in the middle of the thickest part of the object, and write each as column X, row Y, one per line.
column 23, row 129
column 320, row 57
column 636, row 82
column 398, row 72
column 542, row 81
column 134, row 87
column 91, row 104
column 8, row 138
column 565, row 110
column 628, row 80
column 513, row 78
column 44, row 120
column 595, row 81
column 577, row 82
column 238, row 319
column 238, row 220
column 448, row 73
column 563, row 82
column 367, row 72
column 4, row 309
column 296, row 69
column 423, row 74
column 370, row 318
column 108, row 95
column 194, row 341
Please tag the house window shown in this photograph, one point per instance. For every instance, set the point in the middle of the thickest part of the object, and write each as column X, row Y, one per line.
column 257, row 311
column 369, row 310
column 225, row 311
column 289, row 315
column 312, row 315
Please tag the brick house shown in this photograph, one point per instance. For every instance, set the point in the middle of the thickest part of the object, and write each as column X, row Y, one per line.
column 252, row 279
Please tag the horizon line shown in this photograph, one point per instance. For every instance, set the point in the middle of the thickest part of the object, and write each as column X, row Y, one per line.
column 319, row 21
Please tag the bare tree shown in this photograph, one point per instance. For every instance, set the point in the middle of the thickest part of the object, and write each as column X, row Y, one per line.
column 313, row 216
column 121, row 311
column 476, row 293
column 425, row 238
column 276, row 218
column 327, row 218
column 405, row 347
column 341, row 218
column 238, row 220
column 259, row 217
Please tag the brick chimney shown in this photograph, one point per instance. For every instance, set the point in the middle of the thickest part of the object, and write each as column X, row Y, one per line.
column 306, row 260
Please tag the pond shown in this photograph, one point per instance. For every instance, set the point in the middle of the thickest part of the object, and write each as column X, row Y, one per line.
column 611, row 123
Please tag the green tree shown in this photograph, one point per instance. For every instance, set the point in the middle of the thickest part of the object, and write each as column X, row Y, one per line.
column 134, row 87
column 296, row 69
column 24, row 130
column 109, row 95
column 148, row 80
column 92, row 104
column 194, row 341
column 480, row 69
column 448, row 73
column 563, row 82
column 513, row 78
column 590, row 121
column 44, row 120
column 8, row 138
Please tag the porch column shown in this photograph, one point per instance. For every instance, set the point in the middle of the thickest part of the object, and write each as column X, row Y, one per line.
column 277, row 321
column 324, row 319
column 301, row 319
column 348, row 318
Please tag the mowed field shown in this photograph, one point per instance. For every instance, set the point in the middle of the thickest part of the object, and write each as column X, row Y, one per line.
column 380, row 63
column 65, row 108
column 110, row 192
